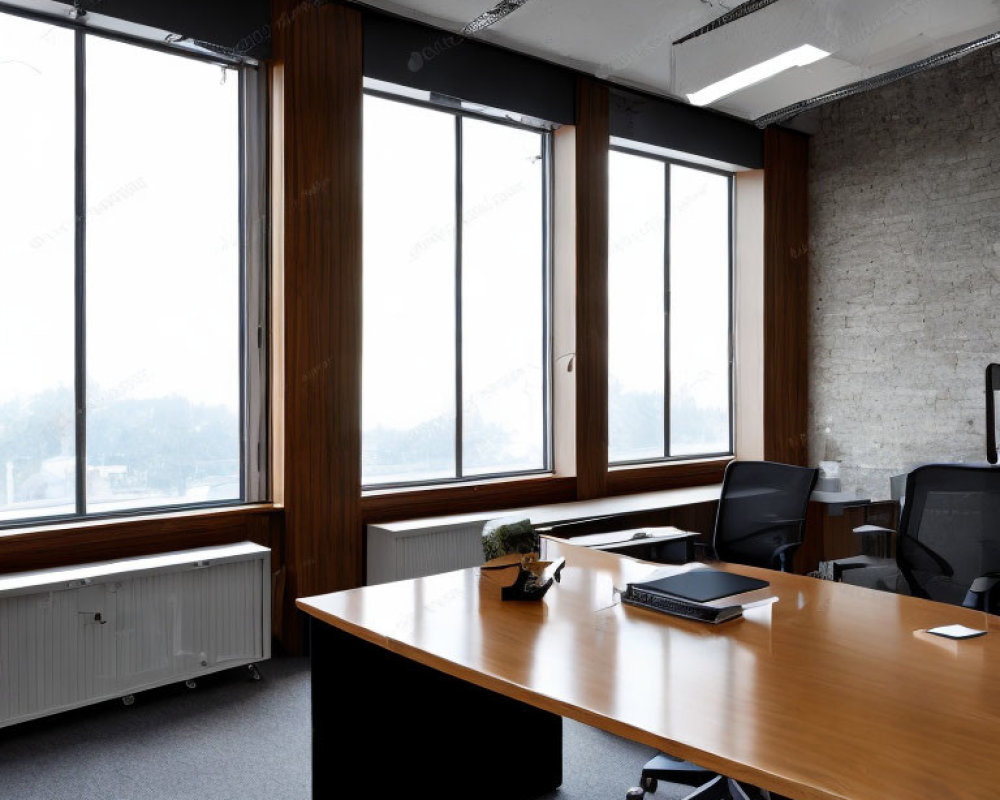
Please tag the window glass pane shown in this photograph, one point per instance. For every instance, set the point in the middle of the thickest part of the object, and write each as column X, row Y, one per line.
column 408, row 403
column 163, row 283
column 37, row 240
column 699, row 312
column 636, row 205
column 502, row 299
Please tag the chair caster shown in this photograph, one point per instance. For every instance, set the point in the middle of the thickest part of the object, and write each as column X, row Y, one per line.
column 649, row 784
column 635, row 793
column 254, row 672
column 128, row 700
column 191, row 684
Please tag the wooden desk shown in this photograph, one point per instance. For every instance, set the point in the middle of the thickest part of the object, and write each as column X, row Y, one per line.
column 832, row 692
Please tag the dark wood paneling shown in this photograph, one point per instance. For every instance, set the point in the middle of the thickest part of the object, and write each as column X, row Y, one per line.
column 319, row 51
column 436, row 502
column 665, row 476
column 830, row 535
column 592, row 141
column 786, row 296
column 104, row 540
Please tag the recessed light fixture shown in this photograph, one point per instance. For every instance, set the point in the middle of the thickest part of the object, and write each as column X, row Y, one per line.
column 799, row 57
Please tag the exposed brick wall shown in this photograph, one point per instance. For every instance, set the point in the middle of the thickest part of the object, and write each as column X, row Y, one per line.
column 904, row 193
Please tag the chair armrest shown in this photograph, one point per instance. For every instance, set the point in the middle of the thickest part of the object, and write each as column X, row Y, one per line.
column 782, row 556
column 842, row 565
column 867, row 530
column 978, row 596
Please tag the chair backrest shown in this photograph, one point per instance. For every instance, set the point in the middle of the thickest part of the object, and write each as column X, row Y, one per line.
column 762, row 512
column 949, row 531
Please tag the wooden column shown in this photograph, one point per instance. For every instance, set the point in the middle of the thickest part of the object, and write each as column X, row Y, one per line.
column 318, row 62
column 592, row 142
column 786, row 296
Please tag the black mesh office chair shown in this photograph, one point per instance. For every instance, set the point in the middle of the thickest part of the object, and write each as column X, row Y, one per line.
column 760, row 522
column 762, row 513
column 948, row 546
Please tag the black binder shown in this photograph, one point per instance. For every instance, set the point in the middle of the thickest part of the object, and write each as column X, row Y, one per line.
column 702, row 585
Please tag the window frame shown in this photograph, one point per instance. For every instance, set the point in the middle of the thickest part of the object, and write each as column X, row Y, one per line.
column 458, row 111
column 252, row 143
column 730, row 176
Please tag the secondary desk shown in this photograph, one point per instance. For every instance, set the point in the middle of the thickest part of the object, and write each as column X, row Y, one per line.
column 833, row 691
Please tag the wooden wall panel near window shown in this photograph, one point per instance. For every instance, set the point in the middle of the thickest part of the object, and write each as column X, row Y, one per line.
column 103, row 540
column 318, row 48
column 591, row 363
column 786, row 301
column 655, row 477
column 444, row 500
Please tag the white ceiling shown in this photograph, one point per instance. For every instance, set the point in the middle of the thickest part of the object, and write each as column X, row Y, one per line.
column 630, row 42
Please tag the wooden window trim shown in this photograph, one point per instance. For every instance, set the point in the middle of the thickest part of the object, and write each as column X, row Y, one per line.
column 652, row 477
column 64, row 544
column 393, row 505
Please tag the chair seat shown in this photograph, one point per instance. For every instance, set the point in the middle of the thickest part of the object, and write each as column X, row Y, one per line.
column 871, row 572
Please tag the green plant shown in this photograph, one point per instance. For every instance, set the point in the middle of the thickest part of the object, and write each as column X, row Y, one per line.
column 514, row 537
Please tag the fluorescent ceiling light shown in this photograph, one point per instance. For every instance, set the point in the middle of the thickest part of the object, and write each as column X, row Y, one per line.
column 799, row 57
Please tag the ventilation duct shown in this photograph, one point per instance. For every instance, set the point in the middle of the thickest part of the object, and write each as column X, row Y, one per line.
column 877, row 81
column 491, row 17
column 742, row 10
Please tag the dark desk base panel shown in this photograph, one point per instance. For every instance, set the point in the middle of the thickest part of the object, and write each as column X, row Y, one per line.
column 382, row 721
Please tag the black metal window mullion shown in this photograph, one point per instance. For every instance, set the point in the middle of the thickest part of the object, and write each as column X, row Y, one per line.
column 242, row 288
column 458, row 297
column 732, row 315
column 80, row 269
column 546, row 142
column 666, row 310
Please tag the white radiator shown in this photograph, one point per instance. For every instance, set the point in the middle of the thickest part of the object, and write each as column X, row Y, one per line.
column 78, row 635
column 402, row 550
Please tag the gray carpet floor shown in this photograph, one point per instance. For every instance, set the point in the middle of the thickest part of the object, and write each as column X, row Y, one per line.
column 232, row 738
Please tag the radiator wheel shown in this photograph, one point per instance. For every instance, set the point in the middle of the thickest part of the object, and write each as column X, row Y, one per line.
column 191, row 684
column 254, row 672
column 128, row 700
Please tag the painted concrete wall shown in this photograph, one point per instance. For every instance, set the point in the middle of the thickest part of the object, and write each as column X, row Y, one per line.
column 905, row 272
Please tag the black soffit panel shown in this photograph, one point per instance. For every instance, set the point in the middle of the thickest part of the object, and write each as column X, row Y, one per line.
column 239, row 28
column 430, row 59
column 421, row 57
column 677, row 126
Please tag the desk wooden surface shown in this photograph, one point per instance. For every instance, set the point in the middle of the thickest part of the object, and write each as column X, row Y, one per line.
column 833, row 691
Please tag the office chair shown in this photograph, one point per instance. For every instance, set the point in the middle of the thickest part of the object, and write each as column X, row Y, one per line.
column 762, row 513
column 948, row 542
column 759, row 522
column 719, row 788
column 948, row 545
